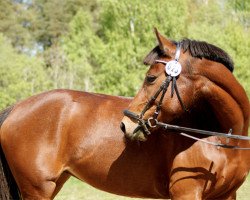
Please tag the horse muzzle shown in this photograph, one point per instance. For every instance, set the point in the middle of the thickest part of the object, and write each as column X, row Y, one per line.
column 132, row 130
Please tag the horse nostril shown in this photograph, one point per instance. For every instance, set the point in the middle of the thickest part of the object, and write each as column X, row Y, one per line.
column 123, row 128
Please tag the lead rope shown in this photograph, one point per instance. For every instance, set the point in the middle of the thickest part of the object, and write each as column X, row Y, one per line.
column 164, row 90
column 208, row 133
column 226, row 146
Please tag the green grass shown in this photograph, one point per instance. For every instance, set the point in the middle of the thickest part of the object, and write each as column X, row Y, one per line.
column 244, row 192
column 76, row 190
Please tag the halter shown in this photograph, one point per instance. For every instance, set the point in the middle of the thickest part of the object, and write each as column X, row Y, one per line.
column 173, row 70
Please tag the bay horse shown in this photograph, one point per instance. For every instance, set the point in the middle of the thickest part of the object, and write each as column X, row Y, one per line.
column 49, row 137
column 203, row 95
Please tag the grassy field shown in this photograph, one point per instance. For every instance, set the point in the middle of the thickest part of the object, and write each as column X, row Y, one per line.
column 76, row 190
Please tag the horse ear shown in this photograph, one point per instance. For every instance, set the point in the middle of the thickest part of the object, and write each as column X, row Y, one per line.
column 166, row 46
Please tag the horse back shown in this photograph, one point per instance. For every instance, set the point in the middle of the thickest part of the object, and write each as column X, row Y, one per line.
column 49, row 112
column 43, row 126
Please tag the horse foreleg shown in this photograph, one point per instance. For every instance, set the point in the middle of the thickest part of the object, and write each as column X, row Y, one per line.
column 195, row 195
column 185, row 190
column 232, row 197
column 41, row 187
column 43, row 191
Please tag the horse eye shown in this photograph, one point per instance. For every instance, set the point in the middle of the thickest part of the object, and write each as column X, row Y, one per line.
column 150, row 78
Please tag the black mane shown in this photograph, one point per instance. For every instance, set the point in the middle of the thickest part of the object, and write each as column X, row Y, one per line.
column 197, row 49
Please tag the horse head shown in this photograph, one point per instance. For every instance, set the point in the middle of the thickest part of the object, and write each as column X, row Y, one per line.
column 184, row 78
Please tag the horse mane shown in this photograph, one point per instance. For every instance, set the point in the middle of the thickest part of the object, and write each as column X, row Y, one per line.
column 4, row 114
column 197, row 49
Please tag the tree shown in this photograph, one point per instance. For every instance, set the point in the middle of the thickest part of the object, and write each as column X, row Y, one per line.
column 99, row 45
column 222, row 28
column 113, row 43
column 15, row 22
column 51, row 28
column 20, row 75
column 115, row 49
column 78, row 46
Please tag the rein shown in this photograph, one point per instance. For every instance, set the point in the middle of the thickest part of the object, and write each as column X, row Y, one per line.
column 173, row 70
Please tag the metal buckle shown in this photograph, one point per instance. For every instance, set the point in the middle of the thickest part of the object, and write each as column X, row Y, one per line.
column 229, row 133
column 152, row 122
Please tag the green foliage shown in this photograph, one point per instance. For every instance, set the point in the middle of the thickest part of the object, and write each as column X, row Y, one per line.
column 115, row 49
column 15, row 23
column 52, row 19
column 77, row 48
column 21, row 76
column 222, row 28
column 100, row 45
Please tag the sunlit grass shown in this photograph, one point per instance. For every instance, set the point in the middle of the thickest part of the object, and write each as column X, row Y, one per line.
column 76, row 190
column 244, row 192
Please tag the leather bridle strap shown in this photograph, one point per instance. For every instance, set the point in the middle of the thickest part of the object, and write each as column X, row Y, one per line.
column 139, row 118
column 174, row 88
column 163, row 89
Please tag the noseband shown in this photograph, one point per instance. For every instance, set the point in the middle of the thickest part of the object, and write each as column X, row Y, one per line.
column 173, row 70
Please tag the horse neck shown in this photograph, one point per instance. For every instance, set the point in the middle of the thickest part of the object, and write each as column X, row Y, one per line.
column 226, row 96
column 200, row 116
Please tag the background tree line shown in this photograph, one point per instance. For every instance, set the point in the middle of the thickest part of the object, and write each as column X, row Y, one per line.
column 99, row 45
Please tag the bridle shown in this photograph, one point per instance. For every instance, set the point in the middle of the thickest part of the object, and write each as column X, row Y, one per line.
column 173, row 70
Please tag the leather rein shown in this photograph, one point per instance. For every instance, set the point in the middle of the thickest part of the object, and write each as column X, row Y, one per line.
column 173, row 70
